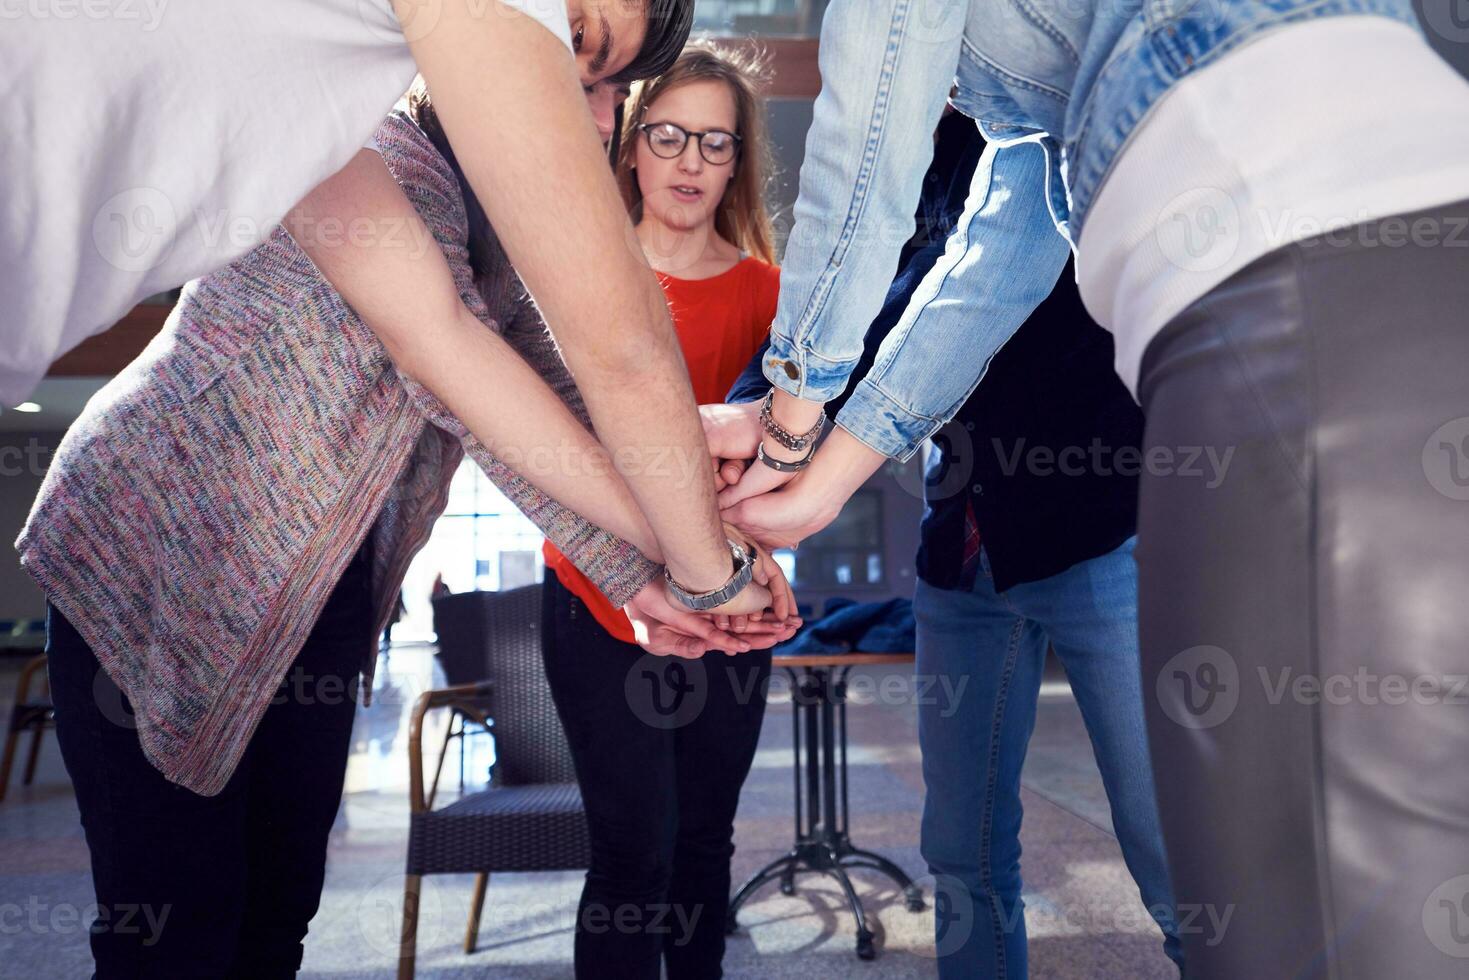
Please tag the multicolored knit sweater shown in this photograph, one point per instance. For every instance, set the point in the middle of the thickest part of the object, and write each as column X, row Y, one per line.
column 199, row 512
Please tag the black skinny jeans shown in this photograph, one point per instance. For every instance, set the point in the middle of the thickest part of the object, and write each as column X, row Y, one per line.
column 213, row 886
column 662, row 746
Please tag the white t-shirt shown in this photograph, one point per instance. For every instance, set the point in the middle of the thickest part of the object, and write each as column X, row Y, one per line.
column 144, row 144
column 1315, row 127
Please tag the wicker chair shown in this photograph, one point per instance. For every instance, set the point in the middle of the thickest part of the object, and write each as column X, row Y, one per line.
column 28, row 714
column 459, row 624
column 531, row 817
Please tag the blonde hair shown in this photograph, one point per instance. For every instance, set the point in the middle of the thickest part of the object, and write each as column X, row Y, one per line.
column 741, row 217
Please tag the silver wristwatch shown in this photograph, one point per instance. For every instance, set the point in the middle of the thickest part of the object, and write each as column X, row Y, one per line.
column 744, row 570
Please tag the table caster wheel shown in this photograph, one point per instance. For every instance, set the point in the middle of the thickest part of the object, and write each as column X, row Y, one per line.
column 731, row 925
column 865, row 949
column 787, row 886
column 914, row 896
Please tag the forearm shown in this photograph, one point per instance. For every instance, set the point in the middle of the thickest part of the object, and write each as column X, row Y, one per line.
column 651, row 427
column 886, row 72
column 1001, row 261
column 577, row 254
column 616, row 567
column 527, row 428
column 525, row 331
column 413, row 303
column 840, row 469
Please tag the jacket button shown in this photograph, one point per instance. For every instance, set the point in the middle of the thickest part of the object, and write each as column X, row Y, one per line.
column 791, row 370
column 979, row 488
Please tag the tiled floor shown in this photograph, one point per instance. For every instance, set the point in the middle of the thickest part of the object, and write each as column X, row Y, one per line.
column 1084, row 917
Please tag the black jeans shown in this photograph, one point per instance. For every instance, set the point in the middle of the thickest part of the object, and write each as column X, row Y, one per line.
column 213, row 886
column 662, row 746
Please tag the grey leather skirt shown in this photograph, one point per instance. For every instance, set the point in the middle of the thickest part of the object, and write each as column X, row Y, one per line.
column 1304, row 607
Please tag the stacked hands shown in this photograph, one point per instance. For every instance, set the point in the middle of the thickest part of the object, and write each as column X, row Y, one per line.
column 764, row 509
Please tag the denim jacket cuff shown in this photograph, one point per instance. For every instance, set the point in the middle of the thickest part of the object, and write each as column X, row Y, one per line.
column 875, row 419
column 802, row 373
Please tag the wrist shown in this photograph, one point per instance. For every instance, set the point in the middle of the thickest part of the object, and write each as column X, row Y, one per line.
column 706, row 573
column 741, row 572
column 795, row 414
column 840, row 468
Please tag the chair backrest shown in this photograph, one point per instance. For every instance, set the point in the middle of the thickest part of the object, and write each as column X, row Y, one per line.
column 459, row 622
column 530, row 744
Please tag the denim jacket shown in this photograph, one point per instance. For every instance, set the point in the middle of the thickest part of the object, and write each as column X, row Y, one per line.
column 1057, row 87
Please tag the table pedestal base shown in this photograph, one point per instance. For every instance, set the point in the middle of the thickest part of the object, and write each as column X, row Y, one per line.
column 818, row 697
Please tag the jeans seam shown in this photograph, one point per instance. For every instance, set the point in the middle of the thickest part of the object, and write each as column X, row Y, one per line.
column 987, row 826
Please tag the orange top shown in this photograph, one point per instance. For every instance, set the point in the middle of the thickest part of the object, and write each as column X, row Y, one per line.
column 720, row 321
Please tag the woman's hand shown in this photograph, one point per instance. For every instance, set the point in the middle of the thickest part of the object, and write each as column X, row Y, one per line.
column 795, row 415
column 755, row 480
column 785, row 517
column 812, row 500
column 732, row 431
column 666, row 627
column 768, row 574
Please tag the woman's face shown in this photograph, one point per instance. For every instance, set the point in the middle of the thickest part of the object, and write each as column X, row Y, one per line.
column 606, row 35
column 684, row 192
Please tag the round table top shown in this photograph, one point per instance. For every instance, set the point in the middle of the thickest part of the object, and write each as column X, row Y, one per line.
column 840, row 659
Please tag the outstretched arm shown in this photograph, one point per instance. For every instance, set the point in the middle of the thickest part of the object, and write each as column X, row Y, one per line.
column 1000, row 262
column 408, row 297
column 529, row 149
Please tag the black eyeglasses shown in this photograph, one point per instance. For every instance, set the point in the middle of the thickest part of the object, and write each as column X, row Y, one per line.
column 668, row 140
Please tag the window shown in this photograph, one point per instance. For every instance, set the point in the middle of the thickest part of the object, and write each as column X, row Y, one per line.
column 801, row 18
column 847, row 552
column 480, row 543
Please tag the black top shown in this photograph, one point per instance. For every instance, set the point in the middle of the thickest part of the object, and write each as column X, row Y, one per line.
column 1045, row 450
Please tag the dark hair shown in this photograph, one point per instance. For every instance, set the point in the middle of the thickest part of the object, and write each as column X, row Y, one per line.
column 669, row 24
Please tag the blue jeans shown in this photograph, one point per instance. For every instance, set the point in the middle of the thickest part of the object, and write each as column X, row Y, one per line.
column 974, row 744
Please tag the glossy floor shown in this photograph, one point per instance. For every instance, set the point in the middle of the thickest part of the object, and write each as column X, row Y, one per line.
column 1084, row 916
